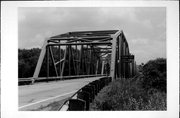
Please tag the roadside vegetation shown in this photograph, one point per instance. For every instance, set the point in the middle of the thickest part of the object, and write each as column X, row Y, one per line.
column 146, row 91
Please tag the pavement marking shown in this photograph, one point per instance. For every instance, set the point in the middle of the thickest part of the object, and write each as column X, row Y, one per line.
column 46, row 99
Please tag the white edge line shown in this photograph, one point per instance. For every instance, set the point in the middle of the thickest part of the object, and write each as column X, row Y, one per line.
column 46, row 99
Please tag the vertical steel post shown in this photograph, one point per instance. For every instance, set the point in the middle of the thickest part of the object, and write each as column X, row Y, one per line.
column 113, row 55
column 75, row 57
column 53, row 61
column 117, row 59
column 127, row 69
column 93, row 62
column 59, row 59
column 120, row 54
column 102, row 69
column 87, row 61
column 69, row 60
column 90, row 60
column 97, row 67
column 124, row 54
column 82, row 59
column 128, row 64
column 47, row 61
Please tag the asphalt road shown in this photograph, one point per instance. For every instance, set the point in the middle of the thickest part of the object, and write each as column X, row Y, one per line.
column 34, row 96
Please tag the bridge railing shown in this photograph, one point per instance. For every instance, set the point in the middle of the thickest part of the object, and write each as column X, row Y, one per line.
column 80, row 101
column 30, row 80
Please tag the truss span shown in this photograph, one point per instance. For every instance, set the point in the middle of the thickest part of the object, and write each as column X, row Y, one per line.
column 86, row 53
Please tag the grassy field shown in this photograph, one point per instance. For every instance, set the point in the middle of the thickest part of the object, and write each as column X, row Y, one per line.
column 129, row 94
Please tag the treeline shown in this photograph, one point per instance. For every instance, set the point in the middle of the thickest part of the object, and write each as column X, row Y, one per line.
column 154, row 74
column 27, row 60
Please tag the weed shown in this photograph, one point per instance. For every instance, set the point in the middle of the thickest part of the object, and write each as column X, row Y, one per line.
column 128, row 94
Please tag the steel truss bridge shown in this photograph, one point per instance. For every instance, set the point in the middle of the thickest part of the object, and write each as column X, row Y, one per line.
column 86, row 53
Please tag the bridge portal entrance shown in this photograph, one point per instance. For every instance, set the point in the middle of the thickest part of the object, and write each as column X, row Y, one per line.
column 86, row 53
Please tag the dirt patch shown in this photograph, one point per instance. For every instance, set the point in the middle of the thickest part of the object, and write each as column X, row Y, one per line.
column 54, row 106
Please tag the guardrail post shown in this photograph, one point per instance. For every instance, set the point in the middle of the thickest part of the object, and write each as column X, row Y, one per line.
column 98, row 84
column 76, row 105
column 96, row 87
column 86, row 97
column 90, row 91
column 102, row 80
column 93, row 89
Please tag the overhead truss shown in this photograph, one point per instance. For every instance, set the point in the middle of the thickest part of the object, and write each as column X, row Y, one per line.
column 87, row 53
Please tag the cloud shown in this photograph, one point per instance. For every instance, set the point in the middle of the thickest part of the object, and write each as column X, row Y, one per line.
column 146, row 49
column 148, row 24
column 127, row 13
column 143, row 27
column 139, row 41
column 33, row 21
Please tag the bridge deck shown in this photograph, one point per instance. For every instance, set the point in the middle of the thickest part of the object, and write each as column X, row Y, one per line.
column 41, row 94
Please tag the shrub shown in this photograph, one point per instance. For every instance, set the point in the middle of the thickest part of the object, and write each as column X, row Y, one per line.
column 145, row 92
column 154, row 74
column 127, row 94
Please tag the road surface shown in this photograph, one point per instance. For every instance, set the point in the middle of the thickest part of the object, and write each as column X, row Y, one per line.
column 34, row 96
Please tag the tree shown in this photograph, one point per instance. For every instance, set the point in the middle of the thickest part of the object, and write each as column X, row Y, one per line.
column 154, row 73
column 27, row 59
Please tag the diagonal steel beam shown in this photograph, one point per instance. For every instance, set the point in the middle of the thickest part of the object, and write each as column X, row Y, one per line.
column 63, row 65
column 40, row 60
column 59, row 61
column 52, row 58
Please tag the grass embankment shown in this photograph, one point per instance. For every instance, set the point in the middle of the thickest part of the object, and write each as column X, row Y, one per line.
column 129, row 94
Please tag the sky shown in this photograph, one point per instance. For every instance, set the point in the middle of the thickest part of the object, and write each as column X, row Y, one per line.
column 144, row 27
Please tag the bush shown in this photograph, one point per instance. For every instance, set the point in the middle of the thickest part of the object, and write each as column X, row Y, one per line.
column 128, row 95
column 144, row 92
column 154, row 74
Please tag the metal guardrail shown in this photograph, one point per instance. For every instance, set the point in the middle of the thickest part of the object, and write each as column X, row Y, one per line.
column 80, row 101
column 25, row 81
column 31, row 80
